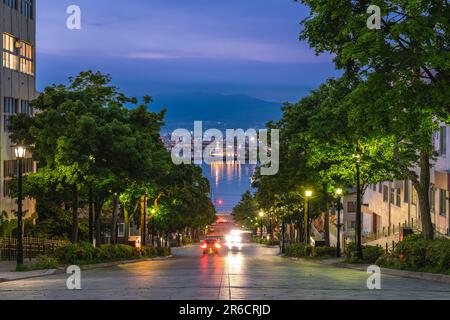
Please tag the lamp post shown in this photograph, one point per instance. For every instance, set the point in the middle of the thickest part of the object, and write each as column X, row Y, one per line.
column 261, row 216
column 338, row 245
column 308, row 195
column 153, row 226
column 20, row 155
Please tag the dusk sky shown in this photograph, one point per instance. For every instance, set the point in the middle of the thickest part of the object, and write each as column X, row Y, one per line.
column 159, row 46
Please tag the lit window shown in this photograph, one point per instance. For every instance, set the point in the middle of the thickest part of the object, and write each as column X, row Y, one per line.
column 26, row 58
column 442, row 202
column 10, row 59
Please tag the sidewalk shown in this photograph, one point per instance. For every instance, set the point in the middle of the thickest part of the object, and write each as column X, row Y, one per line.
column 340, row 263
column 7, row 268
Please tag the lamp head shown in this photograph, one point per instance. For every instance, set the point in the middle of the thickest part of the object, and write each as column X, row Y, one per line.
column 20, row 152
column 308, row 194
column 339, row 191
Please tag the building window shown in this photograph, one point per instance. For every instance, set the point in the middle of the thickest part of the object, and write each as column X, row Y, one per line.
column 10, row 167
column 406, row 192
column 121, row 230
column 26, row 8
column 351, row 206
column 442, row 202
column 385, row 193
column 10, row 57
column 26, row 58
column 6, row 188
column 392, row 196
column 25, row 107
column 380, row 187
column 398, row 197
column 443, row 141
column 414, row 197
column 432, row 199
column 11, row 3
column 10, row 107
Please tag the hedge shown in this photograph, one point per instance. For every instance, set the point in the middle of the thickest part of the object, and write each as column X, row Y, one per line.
column 370, row 254
column 85, row 253
column 417, row 254
column 302, row 250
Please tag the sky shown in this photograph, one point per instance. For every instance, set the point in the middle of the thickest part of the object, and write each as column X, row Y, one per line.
column 159, row 46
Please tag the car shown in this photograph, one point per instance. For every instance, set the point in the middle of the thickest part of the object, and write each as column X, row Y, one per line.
column 211, row 246
column 220, row 220
column 234, row 240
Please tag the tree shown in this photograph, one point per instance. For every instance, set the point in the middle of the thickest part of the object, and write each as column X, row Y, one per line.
column 406, row 67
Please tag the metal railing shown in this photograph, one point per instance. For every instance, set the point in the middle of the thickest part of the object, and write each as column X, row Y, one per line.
column 32, row 247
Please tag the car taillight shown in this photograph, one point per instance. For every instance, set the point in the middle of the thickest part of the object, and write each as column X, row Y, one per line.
column 217, row 245
column 204, row 246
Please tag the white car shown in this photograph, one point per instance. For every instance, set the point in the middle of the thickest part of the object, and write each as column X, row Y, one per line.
column 234, row 240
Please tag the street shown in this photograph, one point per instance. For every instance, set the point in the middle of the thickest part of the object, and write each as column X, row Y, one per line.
column 255, row 273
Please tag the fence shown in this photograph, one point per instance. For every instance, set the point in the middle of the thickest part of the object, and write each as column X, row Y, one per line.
column 32, row 247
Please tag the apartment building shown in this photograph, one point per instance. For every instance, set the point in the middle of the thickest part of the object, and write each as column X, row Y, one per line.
column 389, row 204
column 17, row 89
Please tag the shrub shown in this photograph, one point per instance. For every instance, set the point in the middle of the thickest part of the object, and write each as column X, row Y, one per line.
column 299, row 250
column 45, row 263
column 187, row 241
column 417, row 254
column 322, row 252
column 77, row 253
column 370, row 254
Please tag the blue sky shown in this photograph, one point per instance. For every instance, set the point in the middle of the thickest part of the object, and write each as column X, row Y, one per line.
column 159, row 46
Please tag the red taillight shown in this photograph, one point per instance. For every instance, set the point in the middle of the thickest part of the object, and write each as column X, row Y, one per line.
column 204, row 246
column 217, row 245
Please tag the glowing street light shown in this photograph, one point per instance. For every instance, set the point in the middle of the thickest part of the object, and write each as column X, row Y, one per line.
column 20, row 152
column 339, row 193
column 261, row 215
column 308, row 194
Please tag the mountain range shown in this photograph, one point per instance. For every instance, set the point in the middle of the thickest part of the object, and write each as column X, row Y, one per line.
column 215, row 110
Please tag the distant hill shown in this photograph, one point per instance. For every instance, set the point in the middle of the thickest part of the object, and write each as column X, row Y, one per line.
column 216, row 109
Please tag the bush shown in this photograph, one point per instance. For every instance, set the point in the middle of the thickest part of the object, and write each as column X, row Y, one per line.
column 417, row 254
column 45, row 263
column 85, row 253
column 187, row 241
column 77, row 253
column 370, row 254
column 324, row 252
column 299, row 250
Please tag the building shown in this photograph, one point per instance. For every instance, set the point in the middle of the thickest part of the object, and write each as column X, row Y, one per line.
column 17, row 88
column 388, row 205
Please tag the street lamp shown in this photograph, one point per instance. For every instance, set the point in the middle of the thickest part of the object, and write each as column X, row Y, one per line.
column 339, row 193
column 308, row 195
column 261, row 215
column 20, row 152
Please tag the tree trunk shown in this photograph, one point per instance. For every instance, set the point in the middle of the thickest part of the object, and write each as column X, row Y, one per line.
column 115, row 214
column 359, row 252
column 74, row 214
column 126, row 221
column 423, row 192
column 326, row 227
column 98, row 215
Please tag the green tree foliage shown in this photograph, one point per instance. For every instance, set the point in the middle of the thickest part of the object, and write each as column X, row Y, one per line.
column 87, row 135
column 406, row 72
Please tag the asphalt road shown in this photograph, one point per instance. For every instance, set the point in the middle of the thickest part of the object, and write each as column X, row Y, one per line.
column 254, row 273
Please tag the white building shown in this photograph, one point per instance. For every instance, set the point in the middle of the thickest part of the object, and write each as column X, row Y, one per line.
column 388, row 204
column 17, row 88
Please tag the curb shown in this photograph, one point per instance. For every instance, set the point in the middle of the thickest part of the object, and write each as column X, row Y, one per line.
column 434, row 277
column 116, row 263
column 62, row 270
column 41, row 273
